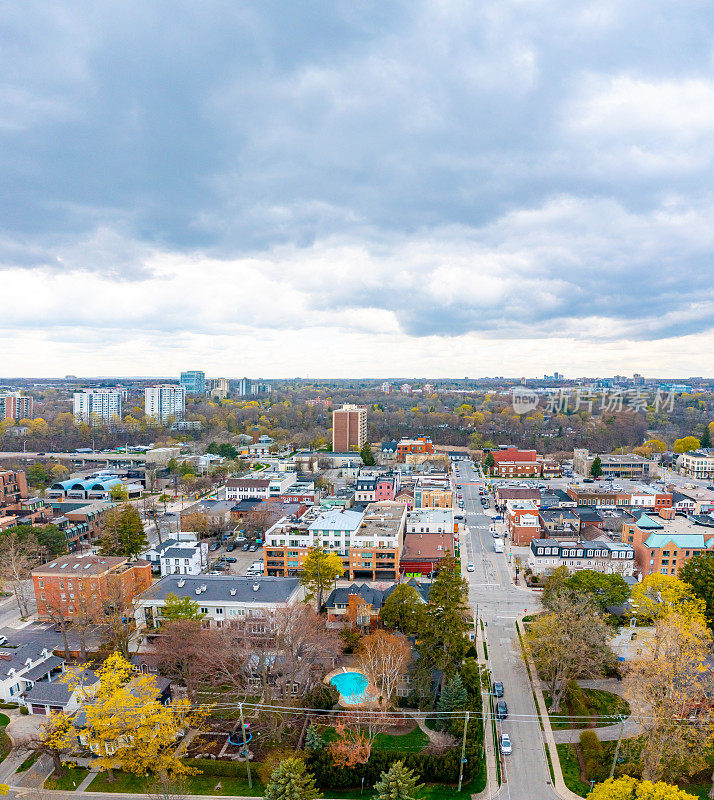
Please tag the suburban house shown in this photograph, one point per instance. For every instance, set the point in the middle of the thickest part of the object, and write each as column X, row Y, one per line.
column 24, row 666
column 70, row 585
column 361, row 604
column 223, row 599
column 45, row 697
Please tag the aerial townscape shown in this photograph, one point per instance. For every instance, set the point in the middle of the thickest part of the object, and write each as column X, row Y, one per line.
column 356, row 401
column 220, row 586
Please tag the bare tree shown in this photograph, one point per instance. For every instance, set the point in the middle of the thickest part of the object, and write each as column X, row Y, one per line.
column 384, row 658
column 18, row 556
column 183, row 653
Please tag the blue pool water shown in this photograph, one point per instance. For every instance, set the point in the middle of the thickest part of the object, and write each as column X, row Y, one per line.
column 352, row 686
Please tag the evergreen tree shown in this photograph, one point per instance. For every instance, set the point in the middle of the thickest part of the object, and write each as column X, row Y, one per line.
column 124, row 533
column 706, row 440
column 397, row 783
column 367, row 455
column 176, row 608
column 313, row 740
column 453, row 695
column 291, row 781
column 596, row 468
column 489, row 462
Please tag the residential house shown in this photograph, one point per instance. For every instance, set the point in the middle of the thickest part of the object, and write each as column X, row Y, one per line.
column 360, row 604
column 600, row 555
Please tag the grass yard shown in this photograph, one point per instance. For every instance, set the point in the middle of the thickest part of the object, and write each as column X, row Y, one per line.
column 28, row 762
column 606, row 708
column 69, row 781
column 5, row 743
column 125, row 782
column 411, row 742
column 571, row 770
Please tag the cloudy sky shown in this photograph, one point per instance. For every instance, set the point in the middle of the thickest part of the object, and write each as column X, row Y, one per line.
column 356, row 187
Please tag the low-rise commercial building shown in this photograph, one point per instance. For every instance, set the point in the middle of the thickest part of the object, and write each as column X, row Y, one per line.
column 511, row 462
column 431, row 520
column 697, row 463
column 522, row 521
column 613, row 466
column 422, row 553
column 420, row 446
column 600, row 555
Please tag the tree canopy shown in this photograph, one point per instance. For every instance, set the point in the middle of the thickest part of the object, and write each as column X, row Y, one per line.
column 124, row 533
column 698, row 573
column 320, row 570
column 291, row 781
column 627, row 788
column 175, row 608
column 596, row 467
column 657, row 596
column 605, row 590
column 403, row 610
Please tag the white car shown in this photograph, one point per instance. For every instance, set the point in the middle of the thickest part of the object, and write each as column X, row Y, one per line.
column 470, row 568
column 505, row 744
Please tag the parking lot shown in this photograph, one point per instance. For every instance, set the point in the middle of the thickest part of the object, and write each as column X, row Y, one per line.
column 242, row 559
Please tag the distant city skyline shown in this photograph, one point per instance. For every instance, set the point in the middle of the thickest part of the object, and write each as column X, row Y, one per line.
column 343, row 189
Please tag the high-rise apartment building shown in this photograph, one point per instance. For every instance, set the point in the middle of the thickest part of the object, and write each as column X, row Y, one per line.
column 217, row 387
column 194, row 381
column 95, row 404
column 349, row 428
column 165, row 402
column 14, row 405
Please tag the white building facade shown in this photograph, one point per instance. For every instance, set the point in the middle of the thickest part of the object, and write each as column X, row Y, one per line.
column 104, row 404
column 165, row 402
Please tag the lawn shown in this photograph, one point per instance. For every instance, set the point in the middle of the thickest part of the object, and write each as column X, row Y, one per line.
column 28, row 762
column 5, row 743
column 571, row 770
column 606, row 708
column 411, row 742
column 69, row 781
column 195, row 784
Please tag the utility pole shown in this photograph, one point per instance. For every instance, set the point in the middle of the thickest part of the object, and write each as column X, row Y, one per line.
column 463, row 750
column 245, row 746
column 617, row 746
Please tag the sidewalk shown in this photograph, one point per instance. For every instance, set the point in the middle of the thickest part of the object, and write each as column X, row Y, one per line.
column 492, row 786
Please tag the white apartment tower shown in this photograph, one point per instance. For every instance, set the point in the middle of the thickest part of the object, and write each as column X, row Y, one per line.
column 165, row 402
column 104, row 404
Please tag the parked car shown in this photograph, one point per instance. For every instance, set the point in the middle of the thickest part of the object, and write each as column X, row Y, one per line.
column 470, row 568
column 231, row 547
column 252, row 548
column 3, row 640
column 215, row 546
column 505, row 744
column 498, row 689
column 245, row 547
column 501, row 710
column 230, row 560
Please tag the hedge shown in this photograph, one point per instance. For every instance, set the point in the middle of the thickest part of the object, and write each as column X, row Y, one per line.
column 593, row 754
column 227, row 769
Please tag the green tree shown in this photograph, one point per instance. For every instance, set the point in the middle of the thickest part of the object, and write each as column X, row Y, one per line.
column 38, row 476
column 123, row 532
column 313, row 740
column 403, row 610
column 119, row 493
column 706, row 440
column 176, row 608
column 367, row 455
column 489, row 463
column 698, row 572
column 320, row 570
column 605, row 590
column 596, row 467
column 49, row 537
column 397, row 783
column 212, row 448
column 291, row 781
column 443, row 634
column 227, row 451
column 172, row 465
column 453, row 697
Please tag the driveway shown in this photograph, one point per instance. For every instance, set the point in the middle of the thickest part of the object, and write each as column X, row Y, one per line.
column 21, row 728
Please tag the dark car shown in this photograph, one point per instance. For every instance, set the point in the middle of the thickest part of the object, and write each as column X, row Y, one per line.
column 501, row 710
column 498, row 689
column 231, row 547
column 229, row 560
column 215, row 546
column 245, row 547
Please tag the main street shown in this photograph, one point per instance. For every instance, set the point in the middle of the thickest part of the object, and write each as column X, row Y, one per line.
column 499, row 602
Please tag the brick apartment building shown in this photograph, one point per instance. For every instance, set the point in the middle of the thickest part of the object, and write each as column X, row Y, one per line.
column 14, row 405
column 349, row 428
column 13, row 487
column 510, row 462
column 664, row 543
column 523, row 521
column 414, row 447
column 71, row 586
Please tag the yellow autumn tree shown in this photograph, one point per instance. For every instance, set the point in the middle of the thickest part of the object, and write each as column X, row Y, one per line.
column 657, row 596
column 668, row 689
column 127, row 727
column 627, row 788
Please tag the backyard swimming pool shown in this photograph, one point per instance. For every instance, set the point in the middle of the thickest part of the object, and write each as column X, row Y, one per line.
column 352, row 686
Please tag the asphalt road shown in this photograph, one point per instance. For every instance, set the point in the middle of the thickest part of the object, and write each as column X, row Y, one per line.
column 499, row 603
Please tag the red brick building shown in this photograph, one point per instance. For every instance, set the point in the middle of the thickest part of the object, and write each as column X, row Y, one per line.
column 74, row 586
column 414, row 447
column 510, row 462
